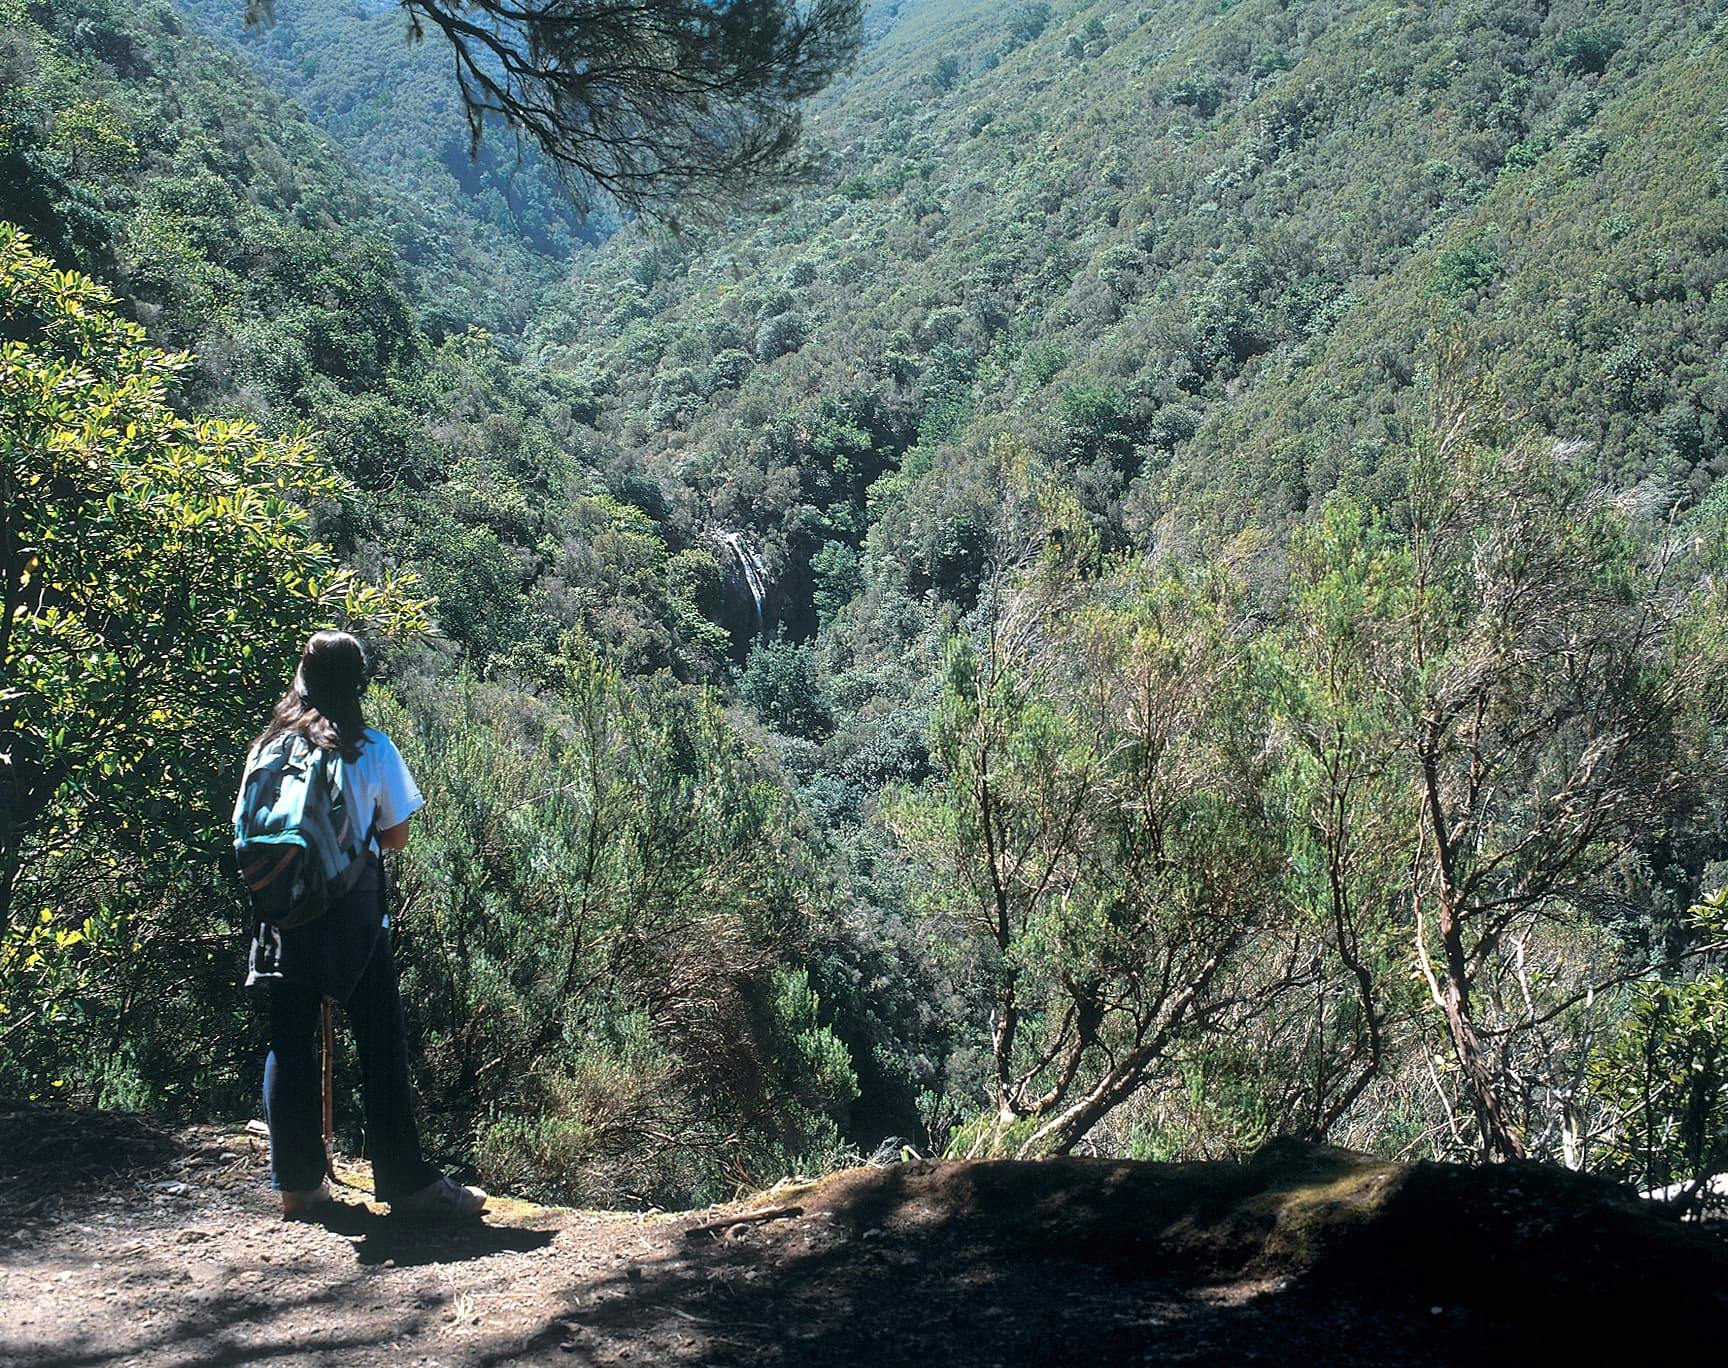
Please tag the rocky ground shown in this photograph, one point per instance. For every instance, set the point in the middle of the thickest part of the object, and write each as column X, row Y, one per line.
column 121, row 1243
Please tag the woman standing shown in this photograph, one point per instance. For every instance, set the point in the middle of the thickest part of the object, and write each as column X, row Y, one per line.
column 345, row 955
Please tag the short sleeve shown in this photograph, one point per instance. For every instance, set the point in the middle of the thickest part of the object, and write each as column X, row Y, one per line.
column 399, row 797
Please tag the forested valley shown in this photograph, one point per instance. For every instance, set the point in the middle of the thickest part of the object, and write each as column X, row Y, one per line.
column 1165, row 590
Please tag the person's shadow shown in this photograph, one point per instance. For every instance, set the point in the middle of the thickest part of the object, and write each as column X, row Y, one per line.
column 405, row 1241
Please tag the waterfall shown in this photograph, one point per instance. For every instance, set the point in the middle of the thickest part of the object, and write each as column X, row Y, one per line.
column 751, row 566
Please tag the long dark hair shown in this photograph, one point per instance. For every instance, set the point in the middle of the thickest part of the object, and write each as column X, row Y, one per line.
column 323, row 702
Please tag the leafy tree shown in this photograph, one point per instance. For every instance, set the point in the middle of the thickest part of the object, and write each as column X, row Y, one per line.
column 1521, row 638
column 835, row 570
column 1026, row 22
column 94, row 139
column 1344, row 795
column 780, row 334
column 157, row 577
column 1042, row 362
column 1588, row 49
column 1093, row 833
column 1098, row 421
column 728, row 369
column 781, row 688
column 1461, row 270
column 946, row 73
column 1104, row 846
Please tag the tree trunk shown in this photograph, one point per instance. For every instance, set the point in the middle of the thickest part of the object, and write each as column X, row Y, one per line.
column 1003, row 1029
column 1068, row 1128
column 1499, row 1139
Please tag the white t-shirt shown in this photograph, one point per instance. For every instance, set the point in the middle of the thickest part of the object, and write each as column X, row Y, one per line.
column 376, row 785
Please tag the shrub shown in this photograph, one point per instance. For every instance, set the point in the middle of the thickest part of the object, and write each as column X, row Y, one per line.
column 1588, row 49
column 1026, row 23
column 779, row 335
column 625, row 936
column 1461, row 270
column 168, row 576
column 779, row 685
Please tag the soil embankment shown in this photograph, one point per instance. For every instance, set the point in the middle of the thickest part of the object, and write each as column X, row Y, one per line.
column 124, row 1244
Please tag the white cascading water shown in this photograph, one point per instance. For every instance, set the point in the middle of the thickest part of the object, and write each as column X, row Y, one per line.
column 754, row 578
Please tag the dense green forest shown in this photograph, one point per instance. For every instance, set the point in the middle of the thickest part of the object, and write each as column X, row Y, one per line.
column 1171, row 593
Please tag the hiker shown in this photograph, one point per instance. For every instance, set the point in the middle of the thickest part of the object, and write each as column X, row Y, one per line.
column 344, row 954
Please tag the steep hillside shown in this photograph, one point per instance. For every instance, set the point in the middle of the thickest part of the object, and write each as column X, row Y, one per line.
column 311, row 292
column 112, row 113
column 1147, row 317
column 1197, row 254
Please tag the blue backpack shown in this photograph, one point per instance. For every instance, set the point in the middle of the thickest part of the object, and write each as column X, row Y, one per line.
column 297, row 845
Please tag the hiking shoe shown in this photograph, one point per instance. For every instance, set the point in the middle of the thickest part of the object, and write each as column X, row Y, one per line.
column 444, row 1197
column 306, row 1201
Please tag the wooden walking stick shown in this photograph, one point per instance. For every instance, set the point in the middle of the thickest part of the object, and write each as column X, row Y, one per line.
column 329, row 1094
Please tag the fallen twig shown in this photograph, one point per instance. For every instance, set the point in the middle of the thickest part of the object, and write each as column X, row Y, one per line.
column 749, row 1218
column 724, row 1325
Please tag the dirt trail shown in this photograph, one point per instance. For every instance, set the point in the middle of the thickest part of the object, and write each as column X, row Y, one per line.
column 124, row 1244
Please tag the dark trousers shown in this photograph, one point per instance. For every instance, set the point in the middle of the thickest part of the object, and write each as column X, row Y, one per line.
column 292, row 1083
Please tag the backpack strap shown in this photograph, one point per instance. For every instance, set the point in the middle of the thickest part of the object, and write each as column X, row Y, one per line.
column 350, row 875
column 327, row 769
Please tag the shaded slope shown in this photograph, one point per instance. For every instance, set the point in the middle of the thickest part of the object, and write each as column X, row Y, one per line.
column 394, row 106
